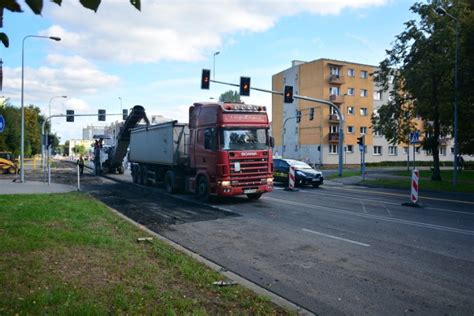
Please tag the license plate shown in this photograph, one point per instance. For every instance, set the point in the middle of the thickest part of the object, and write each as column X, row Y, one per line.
column 248, row 191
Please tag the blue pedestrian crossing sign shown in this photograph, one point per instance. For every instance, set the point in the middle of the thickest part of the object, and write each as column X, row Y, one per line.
column 414, row 137
column 2, row 124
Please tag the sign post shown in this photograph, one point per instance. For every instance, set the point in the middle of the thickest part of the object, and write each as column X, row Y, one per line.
column 414, row 139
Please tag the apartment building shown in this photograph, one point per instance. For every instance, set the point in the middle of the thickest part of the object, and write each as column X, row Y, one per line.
column 314, row 136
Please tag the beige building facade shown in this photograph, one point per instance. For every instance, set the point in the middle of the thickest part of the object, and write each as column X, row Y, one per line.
column 351, row 88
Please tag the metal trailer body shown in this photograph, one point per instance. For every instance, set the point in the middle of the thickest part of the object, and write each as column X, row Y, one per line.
column 159, row 152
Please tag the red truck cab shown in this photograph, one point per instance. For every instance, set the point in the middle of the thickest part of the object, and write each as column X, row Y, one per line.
column 230, row 150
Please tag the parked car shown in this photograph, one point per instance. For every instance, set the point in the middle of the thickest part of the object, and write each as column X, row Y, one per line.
column 304, row 174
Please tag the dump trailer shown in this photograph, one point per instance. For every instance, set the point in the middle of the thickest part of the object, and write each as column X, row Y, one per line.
column 225, row 150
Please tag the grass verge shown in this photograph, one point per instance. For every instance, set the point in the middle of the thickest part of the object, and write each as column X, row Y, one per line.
column 68, row 254
column 345, row 174
column 465, row 181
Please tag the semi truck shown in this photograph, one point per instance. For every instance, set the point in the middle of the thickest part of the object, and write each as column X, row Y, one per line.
column 224, row 150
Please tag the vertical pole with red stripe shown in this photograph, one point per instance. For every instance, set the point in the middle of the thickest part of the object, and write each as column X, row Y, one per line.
column 415, row 176
column 291, row 179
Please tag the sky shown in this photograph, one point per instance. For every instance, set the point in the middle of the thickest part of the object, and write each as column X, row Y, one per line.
column 119, row 57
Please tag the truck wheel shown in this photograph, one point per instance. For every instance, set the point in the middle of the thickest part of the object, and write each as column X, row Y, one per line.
column 143, row 175
column 202, row 189
column 134, row 174
column 170, row 182
column 254, row 196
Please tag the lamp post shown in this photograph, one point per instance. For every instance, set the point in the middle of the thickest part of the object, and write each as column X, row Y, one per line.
column 442, row 11
column 22, row 140
column 43, row 145
column 120, row 98
column 214, row 65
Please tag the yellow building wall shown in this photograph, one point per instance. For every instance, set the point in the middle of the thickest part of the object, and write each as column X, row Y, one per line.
column 277, row 108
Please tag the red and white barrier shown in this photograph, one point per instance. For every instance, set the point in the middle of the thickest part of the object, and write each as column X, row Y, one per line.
column 415, row 176
column 291, row 179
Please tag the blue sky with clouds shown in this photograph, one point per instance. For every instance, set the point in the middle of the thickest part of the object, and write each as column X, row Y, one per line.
column 154, row 57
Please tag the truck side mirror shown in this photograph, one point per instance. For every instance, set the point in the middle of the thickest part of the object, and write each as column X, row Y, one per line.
column 272, row 142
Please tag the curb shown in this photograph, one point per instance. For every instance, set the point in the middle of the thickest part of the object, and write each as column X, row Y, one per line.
column 275, row 298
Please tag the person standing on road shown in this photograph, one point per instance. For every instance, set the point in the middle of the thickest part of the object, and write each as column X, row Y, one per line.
column 80, row 163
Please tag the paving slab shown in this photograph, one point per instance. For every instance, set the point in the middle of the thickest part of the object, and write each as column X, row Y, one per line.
column 33, row 187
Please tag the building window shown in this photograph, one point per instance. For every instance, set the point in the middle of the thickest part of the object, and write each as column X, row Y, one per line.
column 392, row 150
column 377, row 133
column 351, row 72
column 350, row 149
column 405, row 150
column 335, row 71
column 350, row 129
column 363, row 130
column 350, row 110
column 334, row 91
column 333, row 129
column 377, row 95
column 350, row 91
column 363, row 111
column 363, row 92
column 296, row 148
column 452, row 150
column 364, row 74
column 333, row 149
column 377, row 151
column 442, row 150
column 390, row 79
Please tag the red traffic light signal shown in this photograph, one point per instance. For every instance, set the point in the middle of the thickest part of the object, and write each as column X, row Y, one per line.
column 361, row 140
column 205, row 79
column 245, row 86
column 288, row 94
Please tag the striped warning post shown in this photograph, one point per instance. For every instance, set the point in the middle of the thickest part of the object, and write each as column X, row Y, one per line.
column 415, row 176
column 291, row 180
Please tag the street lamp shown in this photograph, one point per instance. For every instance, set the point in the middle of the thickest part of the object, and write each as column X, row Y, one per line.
column 120, row 98
column 442, row 11
column 214, row 65
column 22, row 140
column 43, row 146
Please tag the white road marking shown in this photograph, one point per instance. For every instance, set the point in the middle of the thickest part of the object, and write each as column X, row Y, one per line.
column 363, row 207
column 381, row 218
column 335, row 237
column 386, row 208
column 385, row 202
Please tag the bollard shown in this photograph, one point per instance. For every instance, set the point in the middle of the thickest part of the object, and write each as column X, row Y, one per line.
column 291, row 179
column 415, row 177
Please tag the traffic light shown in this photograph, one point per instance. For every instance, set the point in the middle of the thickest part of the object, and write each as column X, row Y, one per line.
column 311, row 114
column 124, row 114
column 69, row 115
column 288, row 96
column 298, row 116
column 205, row 79
column 245, row 86
column 50, row 141
column 361, row 140
column 101, row 115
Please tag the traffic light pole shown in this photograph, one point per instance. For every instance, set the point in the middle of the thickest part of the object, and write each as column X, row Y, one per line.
column 49, row 147
column 305, row 98
column 283, row 132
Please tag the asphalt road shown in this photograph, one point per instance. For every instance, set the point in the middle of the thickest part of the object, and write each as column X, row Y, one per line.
column 333, row 250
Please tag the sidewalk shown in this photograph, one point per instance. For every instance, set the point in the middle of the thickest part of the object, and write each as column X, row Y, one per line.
column 33, row 187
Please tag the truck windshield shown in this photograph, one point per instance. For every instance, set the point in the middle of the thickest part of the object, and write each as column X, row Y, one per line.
column 244, row 139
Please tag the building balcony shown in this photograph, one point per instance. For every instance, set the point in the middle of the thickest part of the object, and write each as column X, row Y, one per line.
column 333, row 118
column 334, row 98
column 333, row 137
column 336, row 79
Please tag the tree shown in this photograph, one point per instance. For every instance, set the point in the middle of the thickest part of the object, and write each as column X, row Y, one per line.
column 66, row 148
column 79, row 149
column 229, row 96
column 37, row 7
column 421, row 67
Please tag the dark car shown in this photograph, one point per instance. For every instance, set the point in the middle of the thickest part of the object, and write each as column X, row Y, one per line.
column 304, row 174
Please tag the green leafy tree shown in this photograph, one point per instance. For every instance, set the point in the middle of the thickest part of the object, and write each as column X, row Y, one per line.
column 37, row 7
column 230, row 96
column 79, row 149
column 66, row 148
column 421, row 66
